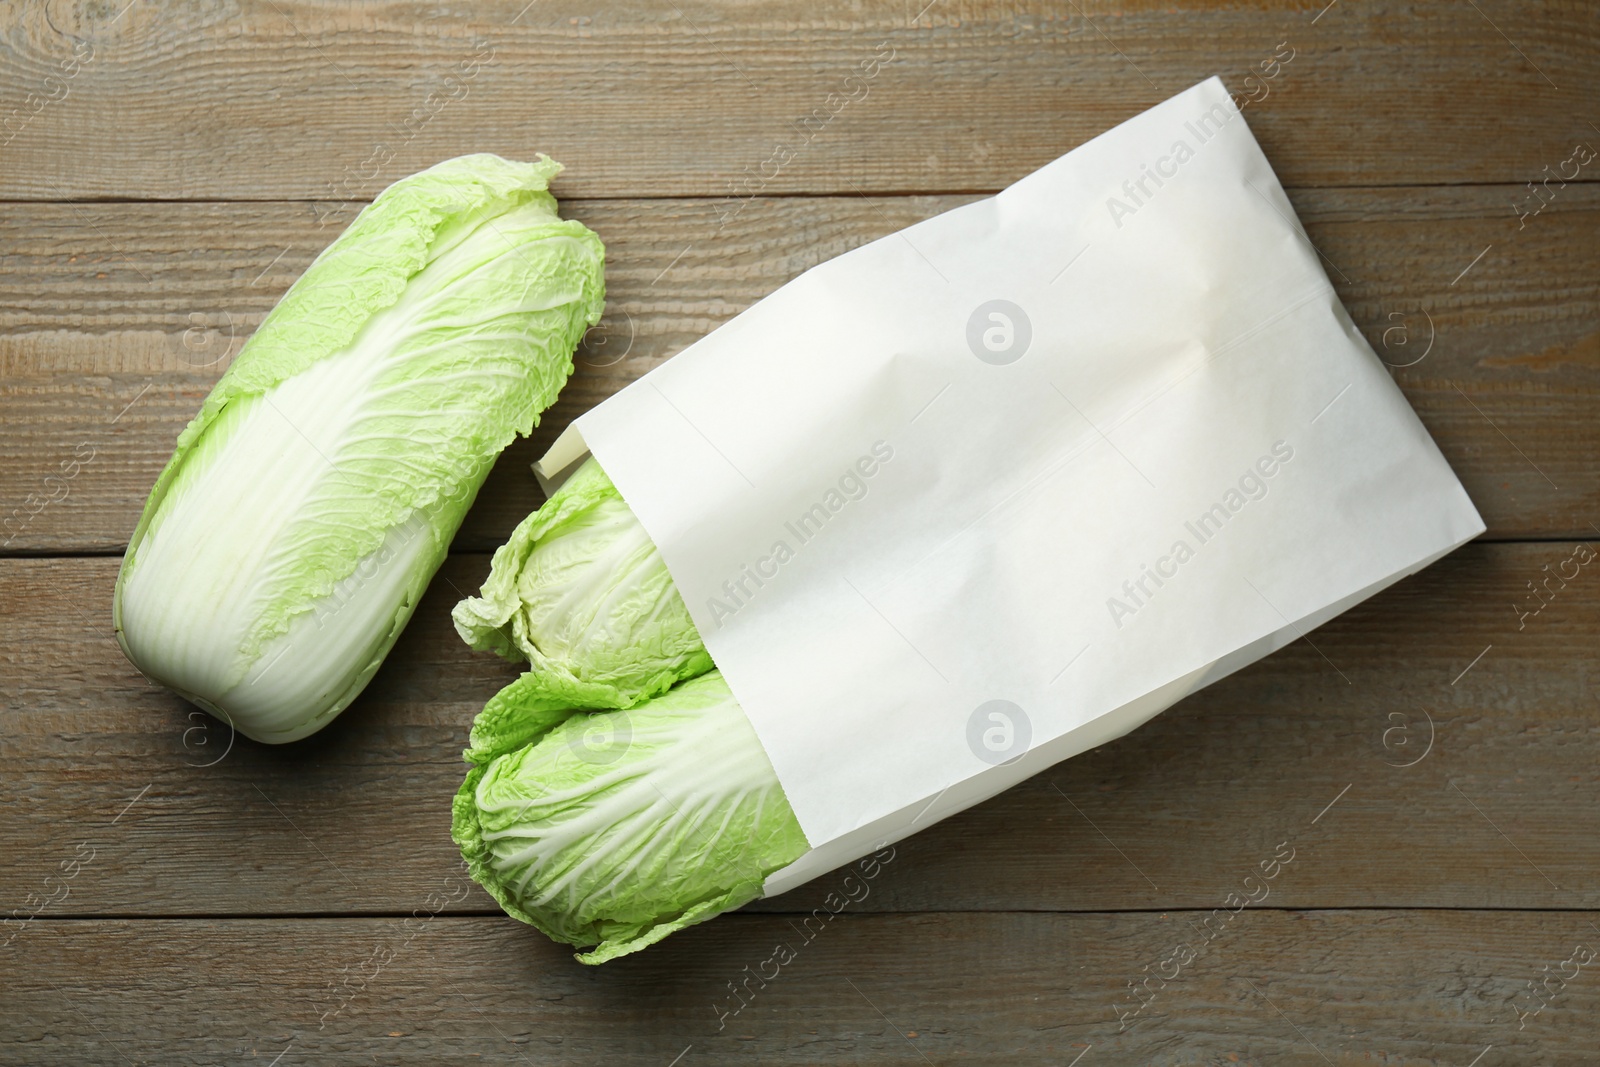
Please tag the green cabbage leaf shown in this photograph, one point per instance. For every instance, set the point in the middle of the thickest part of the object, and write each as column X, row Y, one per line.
column 581, row 593
column 616, row 828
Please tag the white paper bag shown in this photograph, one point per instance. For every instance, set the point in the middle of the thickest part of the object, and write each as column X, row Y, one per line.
column 1000, row 487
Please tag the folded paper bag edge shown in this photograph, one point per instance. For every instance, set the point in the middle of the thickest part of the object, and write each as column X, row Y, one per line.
column 1119, row 722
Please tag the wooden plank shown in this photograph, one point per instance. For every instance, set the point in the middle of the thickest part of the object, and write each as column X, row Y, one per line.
column 282, row 99
column 115, row 319
column 1304, row 747
column 1298, row 989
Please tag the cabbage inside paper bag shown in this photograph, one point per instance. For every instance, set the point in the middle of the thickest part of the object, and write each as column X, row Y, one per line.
column 999, row 487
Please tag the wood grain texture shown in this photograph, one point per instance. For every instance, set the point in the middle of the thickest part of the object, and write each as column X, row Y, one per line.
column 1499, row 811
column 291, row 99
column 1428, row 757
column 1286, row 989
column 116, row 319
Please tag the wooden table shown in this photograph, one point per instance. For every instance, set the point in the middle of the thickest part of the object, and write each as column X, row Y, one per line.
column 1430, row 762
